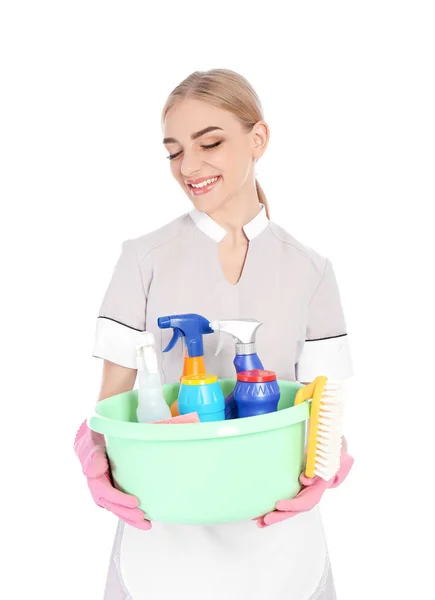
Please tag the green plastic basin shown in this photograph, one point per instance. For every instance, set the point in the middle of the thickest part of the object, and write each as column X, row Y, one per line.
column 205, row 473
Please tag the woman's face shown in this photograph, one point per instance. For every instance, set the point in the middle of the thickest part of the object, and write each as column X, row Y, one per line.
column 208, row 144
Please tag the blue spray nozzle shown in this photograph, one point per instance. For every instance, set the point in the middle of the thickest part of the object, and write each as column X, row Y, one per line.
column 190, row 326
column 164, row 322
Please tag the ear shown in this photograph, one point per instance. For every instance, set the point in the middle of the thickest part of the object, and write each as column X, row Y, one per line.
column 260, row 138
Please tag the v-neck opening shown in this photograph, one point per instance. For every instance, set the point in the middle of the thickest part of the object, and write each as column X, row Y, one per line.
column 242, row 271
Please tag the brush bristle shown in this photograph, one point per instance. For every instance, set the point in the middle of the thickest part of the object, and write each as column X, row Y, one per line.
column 329, row 435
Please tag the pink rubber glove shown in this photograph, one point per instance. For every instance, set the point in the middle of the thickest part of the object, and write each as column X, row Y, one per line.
column 91, row 451
column 309, row 496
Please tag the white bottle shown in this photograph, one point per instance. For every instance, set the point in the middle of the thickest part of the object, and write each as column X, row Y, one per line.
column 151, row 403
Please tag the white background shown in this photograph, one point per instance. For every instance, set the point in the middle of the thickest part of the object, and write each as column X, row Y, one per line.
column 348, row 92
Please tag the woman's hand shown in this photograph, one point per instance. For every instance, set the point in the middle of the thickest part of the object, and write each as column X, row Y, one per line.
column 309, row 496
column 90, row 449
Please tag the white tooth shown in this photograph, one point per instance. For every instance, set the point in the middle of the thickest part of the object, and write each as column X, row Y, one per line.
column 204, row 183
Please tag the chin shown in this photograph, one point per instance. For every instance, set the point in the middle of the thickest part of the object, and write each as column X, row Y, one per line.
column 207, row 205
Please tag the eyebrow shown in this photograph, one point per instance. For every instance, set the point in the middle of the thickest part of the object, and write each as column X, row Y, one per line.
column 194, row 136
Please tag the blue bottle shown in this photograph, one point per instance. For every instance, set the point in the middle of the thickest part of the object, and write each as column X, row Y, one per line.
column 246, row 359
column 190, row 327
column 256, row 393
column 202, row 394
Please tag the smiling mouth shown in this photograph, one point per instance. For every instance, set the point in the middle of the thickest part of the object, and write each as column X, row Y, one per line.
column 204, row 186
column 203, row 183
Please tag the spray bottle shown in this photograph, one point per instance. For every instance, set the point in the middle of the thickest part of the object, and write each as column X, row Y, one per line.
column 246, row 359
column 151, row 403
column 190, row 327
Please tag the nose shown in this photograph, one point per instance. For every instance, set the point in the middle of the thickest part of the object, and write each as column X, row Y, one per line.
column 190, row 164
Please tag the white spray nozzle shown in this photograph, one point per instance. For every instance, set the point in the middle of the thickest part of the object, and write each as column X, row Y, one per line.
column 242, row 330
column 145, row 338
column 215, row 325
column 146, row 353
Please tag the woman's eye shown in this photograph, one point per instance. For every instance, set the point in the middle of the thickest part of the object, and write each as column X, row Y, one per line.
column 215, row 145
column 212, row 145
column 171, row 156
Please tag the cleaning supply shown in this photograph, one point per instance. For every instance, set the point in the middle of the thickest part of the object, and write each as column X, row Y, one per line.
column 174, row 409
column 219, row 472
column 190, row 327
column 202, row 394
column 256, row 393
column 151, row 404
column 246, row 358
column 187, row 418
column 325, row 427
column 327, row 464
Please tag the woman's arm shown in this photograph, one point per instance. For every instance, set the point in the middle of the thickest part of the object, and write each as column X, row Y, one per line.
column 116, row 380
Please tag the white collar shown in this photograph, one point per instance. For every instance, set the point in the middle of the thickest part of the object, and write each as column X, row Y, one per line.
column 217, row 233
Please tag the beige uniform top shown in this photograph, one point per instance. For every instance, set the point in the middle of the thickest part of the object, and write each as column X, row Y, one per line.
column 293, row 292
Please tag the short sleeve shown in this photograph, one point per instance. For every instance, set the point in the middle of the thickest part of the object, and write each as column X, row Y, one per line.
column 326, row 348
column 123, row 310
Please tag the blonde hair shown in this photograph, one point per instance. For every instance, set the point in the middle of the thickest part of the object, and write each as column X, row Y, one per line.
column 227, row 90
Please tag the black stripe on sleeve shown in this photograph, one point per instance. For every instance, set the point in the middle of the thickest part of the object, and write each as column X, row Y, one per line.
column 119, row 323
column 327, row 338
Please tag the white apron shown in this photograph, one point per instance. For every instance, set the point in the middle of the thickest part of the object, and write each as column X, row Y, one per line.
column 233, row 561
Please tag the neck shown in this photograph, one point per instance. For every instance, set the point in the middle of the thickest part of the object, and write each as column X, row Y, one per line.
column 236, row 213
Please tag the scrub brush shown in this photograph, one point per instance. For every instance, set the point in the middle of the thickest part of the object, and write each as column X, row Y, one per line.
column 325, row 427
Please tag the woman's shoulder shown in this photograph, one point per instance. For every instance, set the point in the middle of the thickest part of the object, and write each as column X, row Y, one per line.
column 302, row 250
column 170, row 232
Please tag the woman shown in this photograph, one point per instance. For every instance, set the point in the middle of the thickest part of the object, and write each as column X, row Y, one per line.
column 224, row 259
